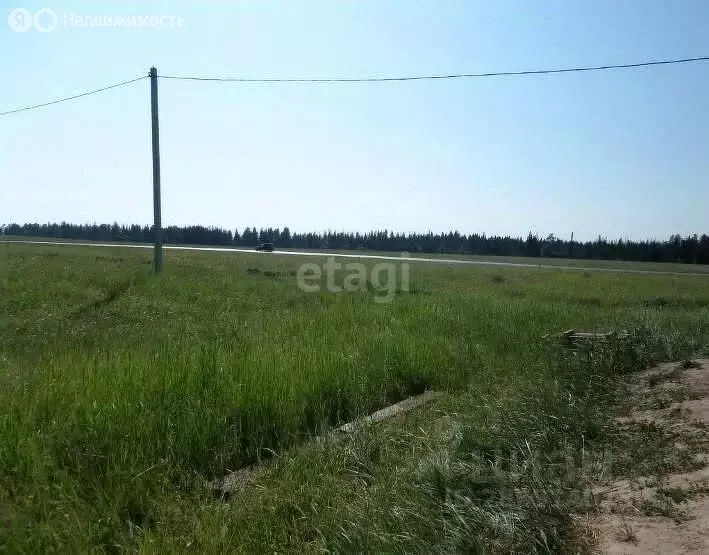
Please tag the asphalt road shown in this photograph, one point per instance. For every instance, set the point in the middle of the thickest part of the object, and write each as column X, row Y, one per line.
column 354, row 254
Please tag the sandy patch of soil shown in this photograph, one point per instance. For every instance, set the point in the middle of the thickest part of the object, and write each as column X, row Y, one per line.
column 657, row 499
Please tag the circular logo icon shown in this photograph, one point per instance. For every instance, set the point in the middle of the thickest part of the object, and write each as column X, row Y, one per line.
column 19, row 20
column 45, row 20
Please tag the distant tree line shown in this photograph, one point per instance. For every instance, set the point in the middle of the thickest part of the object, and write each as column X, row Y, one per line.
column 689, row 250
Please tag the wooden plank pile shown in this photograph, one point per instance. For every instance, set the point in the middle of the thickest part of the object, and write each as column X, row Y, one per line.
column 573, row 337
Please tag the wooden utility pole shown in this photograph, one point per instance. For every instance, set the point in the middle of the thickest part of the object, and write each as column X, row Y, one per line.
column 157, row 228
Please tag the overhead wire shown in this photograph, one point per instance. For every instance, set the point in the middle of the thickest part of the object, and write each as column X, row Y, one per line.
column 529, row 72
column 442, row 76
column 73, row 97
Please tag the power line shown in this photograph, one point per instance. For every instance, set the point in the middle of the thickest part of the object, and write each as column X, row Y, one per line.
column 448, row 76
column 370, row 79
column 116, row 85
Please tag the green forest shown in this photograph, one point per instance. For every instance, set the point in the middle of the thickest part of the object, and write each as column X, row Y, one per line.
column 689, row 250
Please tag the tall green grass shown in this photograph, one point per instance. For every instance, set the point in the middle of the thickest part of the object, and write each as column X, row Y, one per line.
column 121, row 392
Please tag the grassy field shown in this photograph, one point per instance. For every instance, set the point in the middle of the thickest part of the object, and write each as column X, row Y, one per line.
column 122, row 392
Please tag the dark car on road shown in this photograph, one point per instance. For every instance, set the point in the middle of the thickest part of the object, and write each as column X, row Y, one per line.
column 266, row 247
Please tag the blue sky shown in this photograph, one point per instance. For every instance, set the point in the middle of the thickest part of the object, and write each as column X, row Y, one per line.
column 621, row 154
